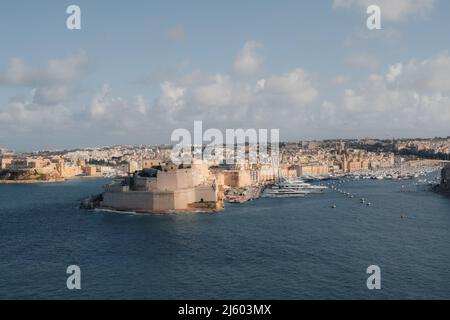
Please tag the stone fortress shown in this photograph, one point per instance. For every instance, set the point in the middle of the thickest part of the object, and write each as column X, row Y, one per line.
column 165, row 187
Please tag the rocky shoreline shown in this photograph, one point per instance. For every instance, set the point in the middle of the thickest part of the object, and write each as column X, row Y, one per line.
column 36, row 181
column 444, row 186
column 92, row 202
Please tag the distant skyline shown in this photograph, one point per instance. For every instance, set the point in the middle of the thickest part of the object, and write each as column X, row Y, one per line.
column 138, row 70
column 86, row 147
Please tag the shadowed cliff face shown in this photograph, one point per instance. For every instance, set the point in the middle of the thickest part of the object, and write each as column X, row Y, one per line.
column 445, row 180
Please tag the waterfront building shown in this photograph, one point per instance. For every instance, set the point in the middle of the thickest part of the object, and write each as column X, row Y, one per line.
column 313, row 170
column 5, row 162
column 149, row 163
column 238, row 178
column 91, row 171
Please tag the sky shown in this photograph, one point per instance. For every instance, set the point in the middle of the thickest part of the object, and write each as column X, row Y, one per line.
column 137, row 70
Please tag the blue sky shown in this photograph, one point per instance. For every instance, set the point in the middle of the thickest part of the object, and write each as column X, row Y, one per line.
column 139, row 69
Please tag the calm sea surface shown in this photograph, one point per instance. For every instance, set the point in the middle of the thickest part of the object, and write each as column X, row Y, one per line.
column 291, row 248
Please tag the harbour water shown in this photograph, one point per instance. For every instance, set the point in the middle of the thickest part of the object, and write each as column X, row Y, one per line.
column 274, row 248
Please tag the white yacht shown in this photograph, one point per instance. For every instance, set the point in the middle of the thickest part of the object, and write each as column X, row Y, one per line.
column 292, row 188
column 301, row 185
column 281, row 192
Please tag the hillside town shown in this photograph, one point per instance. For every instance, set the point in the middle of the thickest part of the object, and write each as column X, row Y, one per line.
column 306, row 158
column 147, row 179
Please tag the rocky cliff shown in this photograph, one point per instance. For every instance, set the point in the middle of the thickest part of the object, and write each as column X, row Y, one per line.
column 28, row 175
column 445, row 180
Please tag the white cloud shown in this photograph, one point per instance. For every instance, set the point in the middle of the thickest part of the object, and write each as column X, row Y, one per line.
column 411, row 99
column 56, row 71
column 105, row 114
column 222, row 101
column 116, row 111
column 431, row 75
column 391, row 10
column 394, row 71
column 295, row 86
column 217, row 93
column 44, row 105
column 171, row 99
column 52, row 83
column 99, row 104
column 247, row 60
column 51, row 95
column 21, row 114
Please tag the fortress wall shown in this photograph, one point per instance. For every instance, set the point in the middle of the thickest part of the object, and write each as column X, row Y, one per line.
column 182, row 198
column 207, row 193
column 163, row 201
column 135, row 200
column 174, row 180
